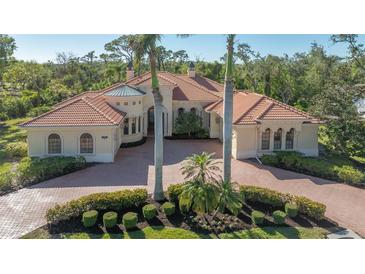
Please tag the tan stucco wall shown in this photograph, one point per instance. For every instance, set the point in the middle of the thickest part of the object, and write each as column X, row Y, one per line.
column 106, row 142
column 215, row 126
column 244, row 142
column 308, row 140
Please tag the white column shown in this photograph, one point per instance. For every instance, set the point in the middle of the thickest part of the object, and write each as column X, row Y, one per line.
column 283, row 132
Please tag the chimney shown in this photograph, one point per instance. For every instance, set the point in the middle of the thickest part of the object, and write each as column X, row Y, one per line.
column 130, row 71
column 191, row 70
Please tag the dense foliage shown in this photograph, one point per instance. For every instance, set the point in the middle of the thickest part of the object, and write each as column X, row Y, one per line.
column 115, row 201
column 190, row 124
column 35, row 170
column 337, row 170
column 278, row 200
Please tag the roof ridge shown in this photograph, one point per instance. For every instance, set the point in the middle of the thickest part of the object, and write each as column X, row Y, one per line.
column 167, row 79
column 270, row 106
column 137, row 76
column 51, row 111
column 308, row 116
column 249, row 109
column 194, row 84
column 98, row 110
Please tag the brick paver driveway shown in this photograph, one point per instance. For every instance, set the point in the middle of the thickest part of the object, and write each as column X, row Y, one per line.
column 24, row 210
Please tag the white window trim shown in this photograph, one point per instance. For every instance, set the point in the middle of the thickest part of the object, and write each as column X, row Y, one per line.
column 79, row 145
column 54, row 154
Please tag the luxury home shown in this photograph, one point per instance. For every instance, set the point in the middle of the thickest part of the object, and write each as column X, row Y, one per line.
column 95, row 123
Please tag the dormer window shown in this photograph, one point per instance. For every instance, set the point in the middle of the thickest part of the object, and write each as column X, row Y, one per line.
column 118, row 103
column 126, row 103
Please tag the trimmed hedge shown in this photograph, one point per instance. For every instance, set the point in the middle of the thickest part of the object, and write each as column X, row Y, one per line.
column 291, row 210
column 278, row 199
column 114, row 201
column 168, row 208
column 89, row 218
column 110, row 219
column 149, row 211
column 35, row 170
column 257, row 217
column 130, row 220
column 173, row 192
column 316, row 167
column 279, row 217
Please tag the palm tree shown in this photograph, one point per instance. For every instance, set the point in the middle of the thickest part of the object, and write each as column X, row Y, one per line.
column 229, row 197
column 228, row 110
column 201, row 167
column 146, row 44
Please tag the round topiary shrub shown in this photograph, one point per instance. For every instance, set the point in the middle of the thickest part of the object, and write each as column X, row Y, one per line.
column 257, row 217
column 279, row 217
column 89, row 218
column 168, row 208
column 291, row 210
column 110, row 219
column 130, row 220
column 149, row 211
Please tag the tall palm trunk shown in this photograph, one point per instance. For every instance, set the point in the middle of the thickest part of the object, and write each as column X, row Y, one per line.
column 158, row 190
column 228, row 110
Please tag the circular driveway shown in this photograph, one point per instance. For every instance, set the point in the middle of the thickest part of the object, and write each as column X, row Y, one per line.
column 23, row 211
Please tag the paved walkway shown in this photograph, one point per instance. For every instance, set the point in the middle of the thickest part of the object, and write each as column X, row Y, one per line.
column 24, row 210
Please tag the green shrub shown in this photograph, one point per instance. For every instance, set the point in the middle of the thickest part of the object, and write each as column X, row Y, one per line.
column 184, row 206
column 266, row 196
column 291, row 210
column 257, row 217
column 262, row 195
column 89, row 218
column 173, row 192
column 188, row 123
column 279, row 217
column 350, row 175
column 168, row 208
column 6, row 180
column 149, row 211
column 310, row 208
column 339, row 170
column 130, row 220
column 16, row 150
column 34, row 170
column 110, row 219
column 114, row 201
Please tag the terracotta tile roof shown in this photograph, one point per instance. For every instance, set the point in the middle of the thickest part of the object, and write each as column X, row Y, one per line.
column 83, row 111
column 185, row 88
column 250, row 108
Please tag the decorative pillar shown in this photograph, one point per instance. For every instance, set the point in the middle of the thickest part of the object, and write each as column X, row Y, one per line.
column 283, row 135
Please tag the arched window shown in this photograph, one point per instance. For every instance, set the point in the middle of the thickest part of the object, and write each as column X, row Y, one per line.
column 277, row 139
column 265, row 140
column 180, row 111
column 54, row 144
column 289, row 139
column 193, row 110
column 86, row 143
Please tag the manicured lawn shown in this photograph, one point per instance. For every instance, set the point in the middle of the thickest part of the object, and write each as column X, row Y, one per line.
column 277, row 233
column 158, row 232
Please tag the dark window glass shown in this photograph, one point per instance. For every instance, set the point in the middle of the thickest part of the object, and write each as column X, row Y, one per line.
column 134, row 120
column 126, row 126
column 54, row 144
column 265, row 140
column 289, row 140
column 139, row 124
column 86, row 143
column 180, row 111
column 277, row 139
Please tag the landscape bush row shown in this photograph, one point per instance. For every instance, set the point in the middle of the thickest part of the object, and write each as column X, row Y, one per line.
column 316, row 167
column 34, row 170
column 266, row 196
column 106, row 201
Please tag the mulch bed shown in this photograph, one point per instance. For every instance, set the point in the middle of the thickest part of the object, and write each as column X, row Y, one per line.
column 199, row 224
